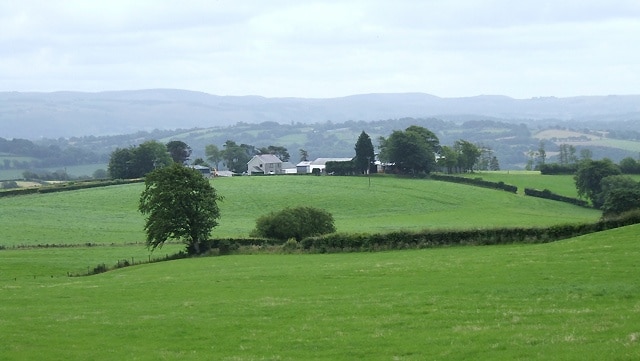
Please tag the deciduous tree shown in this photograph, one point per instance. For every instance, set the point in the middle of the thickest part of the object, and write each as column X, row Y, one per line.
column 589, row 176
column 179, row 203
column 179, row 151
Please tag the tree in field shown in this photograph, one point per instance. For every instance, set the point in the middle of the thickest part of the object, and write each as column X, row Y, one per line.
column 619, row 194
column 121, row 164
column 364, row 153
column 148, row 156
column 235, row 157
column 448, row 159
column 412, row 151
column 179, row 203
column 468, row 154
column 214, row 155
column 179, row 151
column 136, row 162
column 298, row 223
column 589, row 176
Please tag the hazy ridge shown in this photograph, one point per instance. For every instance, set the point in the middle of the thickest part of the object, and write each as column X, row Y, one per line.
column 65, row 114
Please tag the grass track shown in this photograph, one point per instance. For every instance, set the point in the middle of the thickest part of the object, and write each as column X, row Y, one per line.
column 571, row 300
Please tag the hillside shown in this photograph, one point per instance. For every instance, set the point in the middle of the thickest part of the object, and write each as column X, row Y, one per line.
column 109, row 215
column 571, row 300
column 67, row 114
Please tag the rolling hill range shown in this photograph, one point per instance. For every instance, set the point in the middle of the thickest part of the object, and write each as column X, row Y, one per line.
column 67, row 114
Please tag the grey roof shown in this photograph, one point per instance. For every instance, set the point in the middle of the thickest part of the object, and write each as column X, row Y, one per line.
column 269, row 158
column 323, row 161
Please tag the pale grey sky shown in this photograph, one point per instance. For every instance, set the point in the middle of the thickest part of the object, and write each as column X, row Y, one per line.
column 321, row 49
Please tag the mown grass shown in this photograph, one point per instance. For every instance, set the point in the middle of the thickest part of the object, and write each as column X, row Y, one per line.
column 109, row 215
column 577, row 299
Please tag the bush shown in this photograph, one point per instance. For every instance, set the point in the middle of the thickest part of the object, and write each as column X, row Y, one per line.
column 297, row 223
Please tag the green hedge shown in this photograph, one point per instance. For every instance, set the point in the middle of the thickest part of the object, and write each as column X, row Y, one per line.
column 337, row 242
column 547, row 194
column 475, row 182
column 67, row 187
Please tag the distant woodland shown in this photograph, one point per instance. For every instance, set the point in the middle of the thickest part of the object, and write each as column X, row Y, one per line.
column 515, row 144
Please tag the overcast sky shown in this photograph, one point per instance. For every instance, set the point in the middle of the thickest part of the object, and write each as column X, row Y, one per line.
column 321, row 49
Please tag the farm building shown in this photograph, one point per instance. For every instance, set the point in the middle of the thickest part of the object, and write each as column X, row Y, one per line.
column 321, row 163
column 264, row 164
column 205, row 171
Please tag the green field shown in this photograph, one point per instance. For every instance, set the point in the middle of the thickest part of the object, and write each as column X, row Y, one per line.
column 109, row 215
column 577, row 299
column 559, row 184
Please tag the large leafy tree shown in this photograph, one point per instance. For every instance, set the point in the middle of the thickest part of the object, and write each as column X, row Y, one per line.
column 214, row 154
column 619, row 194
column 589, row 176
column 179, row 203
column 412, row 151
column 448, row 159
column 121, row 164
column 235, row 156
column 364, row 153
column 179, row 151
column 279, row 151
column 148, row 156
column 136, row 162
column 468, row 154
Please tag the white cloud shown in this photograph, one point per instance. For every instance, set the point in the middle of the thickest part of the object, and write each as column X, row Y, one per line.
column 323, row 48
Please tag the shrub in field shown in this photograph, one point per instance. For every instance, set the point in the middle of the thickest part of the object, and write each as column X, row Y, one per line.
column 296, row 223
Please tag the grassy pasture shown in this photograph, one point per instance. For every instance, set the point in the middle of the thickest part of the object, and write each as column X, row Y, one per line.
column 559, row 184
column 109, row 215
column 577, row 299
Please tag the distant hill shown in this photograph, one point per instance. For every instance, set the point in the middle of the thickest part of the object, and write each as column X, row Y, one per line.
column 67, row 114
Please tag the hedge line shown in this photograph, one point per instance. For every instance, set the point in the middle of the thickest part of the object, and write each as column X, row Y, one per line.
column 67, row 187
column 547, row 194
column 337, row 242
column 475, row 182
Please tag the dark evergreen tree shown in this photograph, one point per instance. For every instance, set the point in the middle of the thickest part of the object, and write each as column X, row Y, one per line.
column 365, row 155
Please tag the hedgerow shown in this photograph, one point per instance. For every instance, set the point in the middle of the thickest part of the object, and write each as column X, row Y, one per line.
column 547, row 194
column 475, row 182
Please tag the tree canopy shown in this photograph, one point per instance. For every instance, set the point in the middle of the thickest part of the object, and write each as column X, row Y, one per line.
column 179, row 151
column 364, row 153
column 136, row 162
column 179, row 203
column 412, row 151
column 589, row 176
column 236, row 157
column 619, row 194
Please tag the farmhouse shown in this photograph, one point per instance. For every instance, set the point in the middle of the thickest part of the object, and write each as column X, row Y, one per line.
column 205, row 171
column 264, row 164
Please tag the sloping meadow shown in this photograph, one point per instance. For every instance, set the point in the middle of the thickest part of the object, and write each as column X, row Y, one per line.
column 572, row 300
column 109, row 215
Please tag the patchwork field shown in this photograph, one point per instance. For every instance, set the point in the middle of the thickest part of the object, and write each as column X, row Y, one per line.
column 572, row 300
column 109, row 215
